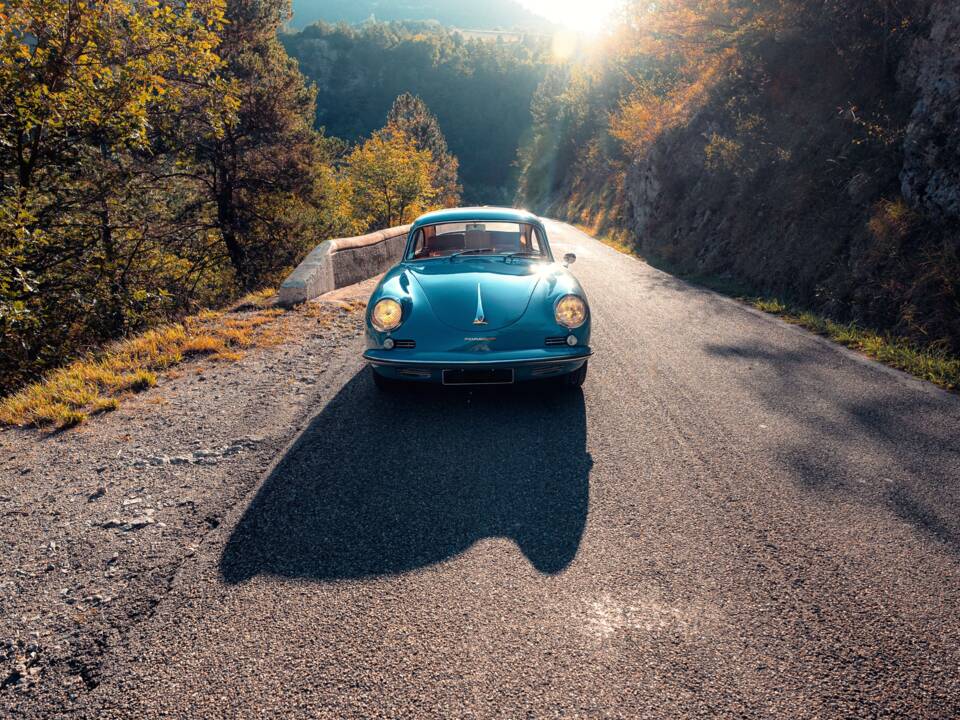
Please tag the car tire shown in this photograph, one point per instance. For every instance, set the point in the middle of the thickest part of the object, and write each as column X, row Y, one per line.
column 384, row 384
column 576, row 379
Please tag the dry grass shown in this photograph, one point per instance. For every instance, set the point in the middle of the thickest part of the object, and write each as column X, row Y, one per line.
column 96, row 384
column 619, row 241
column 257, row 300
column 322, row 311
column 930, row 363
column 769, row 305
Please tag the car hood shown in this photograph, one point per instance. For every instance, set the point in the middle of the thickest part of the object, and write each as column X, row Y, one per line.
column 458, row 289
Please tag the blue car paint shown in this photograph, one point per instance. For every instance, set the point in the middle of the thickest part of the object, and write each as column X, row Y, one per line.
column 439, row 297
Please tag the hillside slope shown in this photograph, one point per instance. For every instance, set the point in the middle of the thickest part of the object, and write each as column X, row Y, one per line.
column 813, row 157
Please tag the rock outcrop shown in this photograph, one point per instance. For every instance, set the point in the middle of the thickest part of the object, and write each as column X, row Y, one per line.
column 930, row 179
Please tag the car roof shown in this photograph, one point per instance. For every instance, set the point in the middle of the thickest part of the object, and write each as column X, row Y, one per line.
column 485, row 213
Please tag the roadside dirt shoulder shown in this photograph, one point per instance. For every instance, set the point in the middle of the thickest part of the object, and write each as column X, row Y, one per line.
column 98, row 520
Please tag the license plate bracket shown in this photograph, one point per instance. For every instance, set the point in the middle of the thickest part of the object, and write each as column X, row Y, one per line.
column 480, row 376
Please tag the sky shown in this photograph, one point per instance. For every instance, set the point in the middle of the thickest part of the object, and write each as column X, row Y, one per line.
column 585, row 16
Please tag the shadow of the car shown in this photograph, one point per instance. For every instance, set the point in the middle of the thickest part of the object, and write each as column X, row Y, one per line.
column 381, row 484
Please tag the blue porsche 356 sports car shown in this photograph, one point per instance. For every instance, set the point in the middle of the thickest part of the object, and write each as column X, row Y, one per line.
column 477, row 299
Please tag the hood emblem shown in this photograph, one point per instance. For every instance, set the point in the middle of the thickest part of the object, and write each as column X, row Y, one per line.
column 479, row 319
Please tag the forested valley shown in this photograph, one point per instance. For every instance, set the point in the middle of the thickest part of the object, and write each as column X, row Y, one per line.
column 479, row 90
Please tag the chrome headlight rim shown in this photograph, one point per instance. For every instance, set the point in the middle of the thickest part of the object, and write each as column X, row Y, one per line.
column 380, row 326
column 583, row 303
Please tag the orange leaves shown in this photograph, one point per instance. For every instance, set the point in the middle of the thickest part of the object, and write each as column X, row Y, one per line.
column 682, row 49
column 639, row 121
column 647, row 113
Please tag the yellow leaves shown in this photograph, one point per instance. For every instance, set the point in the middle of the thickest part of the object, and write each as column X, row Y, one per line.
column 639, row 121
column 103, row 66
column 723, row 153
column 390, row 180
column 890, row 223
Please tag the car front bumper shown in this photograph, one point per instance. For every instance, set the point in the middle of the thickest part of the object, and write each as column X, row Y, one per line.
column 524, row 364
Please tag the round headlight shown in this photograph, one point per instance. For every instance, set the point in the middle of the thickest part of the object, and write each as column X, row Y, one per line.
column 387, row 315
column 571, row 311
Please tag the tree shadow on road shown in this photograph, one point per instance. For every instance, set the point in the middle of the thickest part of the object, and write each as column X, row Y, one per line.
column 878, row 441
column 384, row 484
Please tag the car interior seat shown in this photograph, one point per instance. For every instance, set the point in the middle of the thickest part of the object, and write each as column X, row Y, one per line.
column 476, row 239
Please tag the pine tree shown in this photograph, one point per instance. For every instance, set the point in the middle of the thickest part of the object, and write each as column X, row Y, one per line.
column 411, row 116
column 263, row 171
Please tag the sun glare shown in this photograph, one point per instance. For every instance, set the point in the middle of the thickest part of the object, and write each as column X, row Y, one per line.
column 584, row 17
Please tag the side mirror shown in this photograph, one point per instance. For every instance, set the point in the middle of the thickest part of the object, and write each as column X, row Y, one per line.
column 569, row 259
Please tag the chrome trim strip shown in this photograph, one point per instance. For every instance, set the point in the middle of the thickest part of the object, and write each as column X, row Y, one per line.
column 462, row 363
column 479, row 319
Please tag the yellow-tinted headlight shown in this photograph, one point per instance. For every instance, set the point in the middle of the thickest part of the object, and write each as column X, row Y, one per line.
column 571, row 311
column 387, row 315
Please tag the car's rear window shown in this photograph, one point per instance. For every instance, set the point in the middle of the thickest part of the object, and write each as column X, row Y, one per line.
column 476, row 238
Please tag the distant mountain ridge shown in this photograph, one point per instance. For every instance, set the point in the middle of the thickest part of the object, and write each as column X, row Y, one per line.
column 488, row 15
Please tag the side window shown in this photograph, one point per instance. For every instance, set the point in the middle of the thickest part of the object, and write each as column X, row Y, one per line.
column 417, row 248
column 420, row 247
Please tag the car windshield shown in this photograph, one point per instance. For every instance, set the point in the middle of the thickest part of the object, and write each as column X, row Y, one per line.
column 477, row 238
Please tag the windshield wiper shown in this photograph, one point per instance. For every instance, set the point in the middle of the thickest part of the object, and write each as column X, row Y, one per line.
column 524, row 253
column 471, row 251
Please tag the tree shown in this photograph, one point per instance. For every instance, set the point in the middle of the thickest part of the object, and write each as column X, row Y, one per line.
column 479, row 91
column 263, row 173
column 390, row 179
column 410, row 115
column 81, row 88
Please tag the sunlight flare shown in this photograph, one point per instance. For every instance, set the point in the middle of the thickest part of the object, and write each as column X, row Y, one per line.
column 583, row 18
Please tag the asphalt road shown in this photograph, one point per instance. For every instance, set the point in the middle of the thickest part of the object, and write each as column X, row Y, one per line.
column 734, row 519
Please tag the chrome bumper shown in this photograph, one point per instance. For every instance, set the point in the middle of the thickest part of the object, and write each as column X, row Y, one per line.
column 456, row 362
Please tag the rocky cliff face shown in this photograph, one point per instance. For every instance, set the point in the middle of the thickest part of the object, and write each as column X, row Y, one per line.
column 843, row 195
column 930, row 179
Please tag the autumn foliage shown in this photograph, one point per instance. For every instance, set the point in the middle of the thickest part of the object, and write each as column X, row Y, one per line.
column 390, row 179
column 159, row 156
